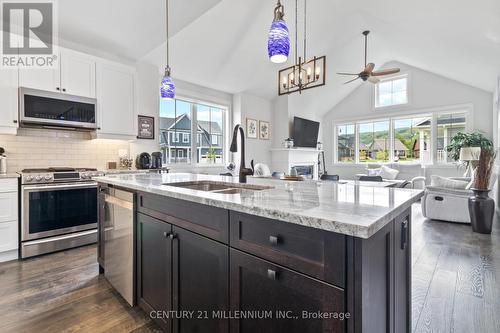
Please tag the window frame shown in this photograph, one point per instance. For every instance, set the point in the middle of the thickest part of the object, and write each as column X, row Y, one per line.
column 392, row 78
column 227, row 118
column 466, row 109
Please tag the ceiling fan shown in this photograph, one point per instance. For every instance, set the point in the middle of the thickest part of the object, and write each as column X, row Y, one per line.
column 368, row 74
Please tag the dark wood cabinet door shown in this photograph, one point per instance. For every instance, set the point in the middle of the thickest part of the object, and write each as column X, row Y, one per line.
column 201, row 282
column 154, row 268
column 402, row 273
column 263, row 289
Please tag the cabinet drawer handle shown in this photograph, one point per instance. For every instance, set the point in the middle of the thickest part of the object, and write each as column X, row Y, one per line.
column 15, row 121
column 64, row 89
column 166, row 234
column 404, row 234
column 273, row 240
column 271, row 274
column 172, row 236
column 57, row 88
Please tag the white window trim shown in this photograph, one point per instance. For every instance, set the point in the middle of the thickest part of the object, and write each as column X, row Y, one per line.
column 185, row 137
column 227, row 118
column 216, row 137
column 394, row 106
column 468, row 109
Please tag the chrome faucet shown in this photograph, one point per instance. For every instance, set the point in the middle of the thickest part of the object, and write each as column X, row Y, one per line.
column 244, row 171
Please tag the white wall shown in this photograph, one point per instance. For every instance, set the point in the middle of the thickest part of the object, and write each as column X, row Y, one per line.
column 250, row 106
column 427, row 91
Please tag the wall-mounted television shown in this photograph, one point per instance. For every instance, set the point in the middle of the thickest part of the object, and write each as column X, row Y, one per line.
column 305, row 133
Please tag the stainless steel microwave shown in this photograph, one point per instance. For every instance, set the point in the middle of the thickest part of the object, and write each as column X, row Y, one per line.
column 47, row 109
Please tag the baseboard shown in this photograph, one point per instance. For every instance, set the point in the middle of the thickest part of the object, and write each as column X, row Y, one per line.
column 9, row 255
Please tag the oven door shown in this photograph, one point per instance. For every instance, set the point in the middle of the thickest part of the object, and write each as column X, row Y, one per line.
column 55, row 209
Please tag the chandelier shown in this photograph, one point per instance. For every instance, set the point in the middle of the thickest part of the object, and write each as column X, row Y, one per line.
column 305, row 74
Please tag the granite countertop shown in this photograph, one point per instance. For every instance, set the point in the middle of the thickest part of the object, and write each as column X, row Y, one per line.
column 343, row 208
column 9, row 175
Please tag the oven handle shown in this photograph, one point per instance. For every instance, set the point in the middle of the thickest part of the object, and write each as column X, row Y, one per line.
column 60, row 186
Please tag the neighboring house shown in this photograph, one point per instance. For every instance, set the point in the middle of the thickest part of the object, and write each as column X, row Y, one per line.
column 373, row 150
column 176, row 139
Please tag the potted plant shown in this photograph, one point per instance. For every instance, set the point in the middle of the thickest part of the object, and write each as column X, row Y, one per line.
column 211, row 157
column 481, row 206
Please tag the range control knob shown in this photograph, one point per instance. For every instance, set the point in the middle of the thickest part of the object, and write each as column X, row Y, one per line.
column 38, row 178
column 29, row 179
column 48, row 177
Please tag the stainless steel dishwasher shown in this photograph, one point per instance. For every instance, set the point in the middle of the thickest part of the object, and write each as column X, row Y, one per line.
column 119, row 241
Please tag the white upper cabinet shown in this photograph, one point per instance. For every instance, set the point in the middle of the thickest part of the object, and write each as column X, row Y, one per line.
column 115, row 100
column 77, row 74
column 42, row 79
column 8, row 95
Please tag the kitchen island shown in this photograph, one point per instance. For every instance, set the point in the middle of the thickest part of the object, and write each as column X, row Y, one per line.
column 212, row 255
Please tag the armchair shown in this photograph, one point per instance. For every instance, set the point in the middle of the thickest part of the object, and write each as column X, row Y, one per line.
column 446, row 204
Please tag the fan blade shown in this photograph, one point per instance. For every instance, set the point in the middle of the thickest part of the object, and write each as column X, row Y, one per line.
column 373, row 79
column 351, row 80
column 348, row 74
column 386, row 72
column 369, row 68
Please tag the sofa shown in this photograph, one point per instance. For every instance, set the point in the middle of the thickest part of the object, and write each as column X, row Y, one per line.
column 408, row 175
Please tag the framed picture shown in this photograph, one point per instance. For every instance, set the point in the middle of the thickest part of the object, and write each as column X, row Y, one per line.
column 264, row 130
column 251, row 128
column 146, row 127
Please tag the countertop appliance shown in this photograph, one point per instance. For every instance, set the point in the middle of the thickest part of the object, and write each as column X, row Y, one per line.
column 143, row 161
column 118, row 228
column 38, row 108
column 58, row 209
column 156, row 160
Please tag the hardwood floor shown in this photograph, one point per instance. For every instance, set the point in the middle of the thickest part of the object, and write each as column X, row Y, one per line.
column 456, row 277
column 456, row 287
column 63, row 292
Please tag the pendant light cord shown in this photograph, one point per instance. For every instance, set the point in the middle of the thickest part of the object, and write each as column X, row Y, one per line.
column 305, row 29
column 296, row 30
column 167, row 21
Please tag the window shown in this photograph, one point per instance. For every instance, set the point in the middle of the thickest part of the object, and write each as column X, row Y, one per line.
column 346, row 143
column 411, row 139
column 211, row 129
column 415, row 139
column 373, row 142
column 448, row 125
column 175, row 120
column 391, row 92
column 182, row 120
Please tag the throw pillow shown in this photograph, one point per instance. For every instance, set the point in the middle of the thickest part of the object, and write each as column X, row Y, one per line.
column 454, row 184
column 373, row 172
column 388, row 173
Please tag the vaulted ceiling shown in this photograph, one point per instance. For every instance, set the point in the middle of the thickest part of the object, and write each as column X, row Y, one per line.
column 222, row 44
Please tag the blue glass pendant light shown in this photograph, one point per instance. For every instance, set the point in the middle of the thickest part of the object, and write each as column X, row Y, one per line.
column 167, row 87
column 278, row 43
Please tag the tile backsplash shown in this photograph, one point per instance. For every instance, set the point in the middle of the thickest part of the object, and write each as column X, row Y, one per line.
column 33, row 148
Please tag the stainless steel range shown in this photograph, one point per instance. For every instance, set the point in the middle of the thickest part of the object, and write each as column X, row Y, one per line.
column 58, row 209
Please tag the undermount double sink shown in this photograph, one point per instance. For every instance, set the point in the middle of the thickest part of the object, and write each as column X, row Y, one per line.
column 218, row 187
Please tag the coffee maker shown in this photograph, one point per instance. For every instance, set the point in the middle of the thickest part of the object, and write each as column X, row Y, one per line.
column 156, row 160
column 143, row 161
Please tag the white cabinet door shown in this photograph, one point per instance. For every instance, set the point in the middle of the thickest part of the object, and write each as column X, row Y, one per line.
column 42, row 79
column 115, row 100
column 8, row 95
column 8, row 236
column 8, row 206
column 77, row 73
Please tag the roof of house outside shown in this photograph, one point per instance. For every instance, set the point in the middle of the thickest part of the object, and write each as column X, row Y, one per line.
column 383, row 144
column 211, row 127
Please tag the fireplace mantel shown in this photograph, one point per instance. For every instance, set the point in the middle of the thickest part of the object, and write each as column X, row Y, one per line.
column 283, row 159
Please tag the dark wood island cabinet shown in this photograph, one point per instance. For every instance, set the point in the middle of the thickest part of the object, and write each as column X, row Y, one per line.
column 206, row 269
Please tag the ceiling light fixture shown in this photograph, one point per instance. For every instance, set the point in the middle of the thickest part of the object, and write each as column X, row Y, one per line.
column 278, row 42
column 167, row 87
column 305, row 74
